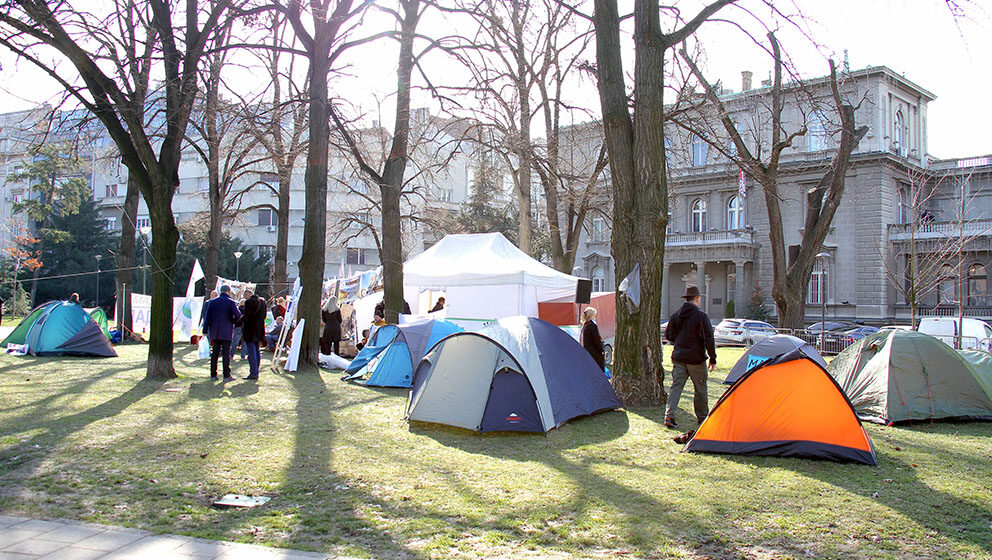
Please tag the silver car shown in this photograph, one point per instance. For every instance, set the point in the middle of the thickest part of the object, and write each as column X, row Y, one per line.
column 742, row 331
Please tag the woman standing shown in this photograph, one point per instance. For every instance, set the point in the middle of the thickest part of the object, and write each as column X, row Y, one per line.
column 591, row 340
column 330, row 339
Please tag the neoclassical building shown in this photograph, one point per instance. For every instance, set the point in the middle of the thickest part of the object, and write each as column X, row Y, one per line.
column 718, row 231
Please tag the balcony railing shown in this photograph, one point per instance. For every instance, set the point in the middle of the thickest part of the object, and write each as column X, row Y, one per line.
column 933, row 230
column 711, row 237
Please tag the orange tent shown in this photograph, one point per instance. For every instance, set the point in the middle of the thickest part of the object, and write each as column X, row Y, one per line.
column 790, row 407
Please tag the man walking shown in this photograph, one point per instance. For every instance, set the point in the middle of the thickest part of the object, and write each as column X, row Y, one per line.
column 218, row 324
column 253, row 332
column 691, row 332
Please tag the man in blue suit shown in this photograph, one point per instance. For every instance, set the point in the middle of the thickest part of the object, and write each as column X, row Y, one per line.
column 218, row 324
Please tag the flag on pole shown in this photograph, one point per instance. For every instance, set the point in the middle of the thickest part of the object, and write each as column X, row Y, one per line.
column 742, row 184
column 194, row 276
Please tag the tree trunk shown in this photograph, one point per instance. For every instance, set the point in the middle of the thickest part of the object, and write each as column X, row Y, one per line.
column 165, row 237
column 524, row 155
column 125, row 259
column 311, row 263
column 279, row 276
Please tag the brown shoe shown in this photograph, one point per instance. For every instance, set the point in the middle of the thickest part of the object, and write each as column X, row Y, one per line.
column 670, row 422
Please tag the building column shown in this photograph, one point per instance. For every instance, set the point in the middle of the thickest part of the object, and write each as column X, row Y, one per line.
column 664, row 290
column 706, row 303
column 740, row 291
column 701, row 283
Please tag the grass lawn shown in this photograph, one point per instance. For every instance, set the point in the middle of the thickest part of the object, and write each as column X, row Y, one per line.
column 90, row 439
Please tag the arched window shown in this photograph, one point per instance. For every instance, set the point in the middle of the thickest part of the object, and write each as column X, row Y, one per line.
column 735, row 213
column 816, row 134
column 699, row 149
column 818, row 288
column 948, row 290
column 598, row 279
column 697, row 219
column 897, row 132
column 977, row 285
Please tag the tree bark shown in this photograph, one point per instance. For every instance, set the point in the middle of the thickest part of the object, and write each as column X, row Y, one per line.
column 125, row 258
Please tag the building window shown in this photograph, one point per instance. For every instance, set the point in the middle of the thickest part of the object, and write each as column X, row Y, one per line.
column 110, row 224
column 818, row 288
column 735, row 213
column 598, row 279
column 270, row 180
column 948, row 289
column 111, row 190
column 817, row 132
column 699, row 149
column 360, row 220
column 267, row 252
column 903, row 207
column 897, row 132
column 977, row 285
column 599, row 230
column 697, row 219
column 355, row 256
column 142, row 222
column 267, row 217
column 446, row 195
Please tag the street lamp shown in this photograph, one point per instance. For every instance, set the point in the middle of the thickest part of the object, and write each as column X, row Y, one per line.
column 237, row 265
column 98, row 257
column 823, row 297
column 145, row 232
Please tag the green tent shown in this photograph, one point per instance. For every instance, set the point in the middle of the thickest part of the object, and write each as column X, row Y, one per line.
column 899, row 376
column 60, row 328
column 100, row 316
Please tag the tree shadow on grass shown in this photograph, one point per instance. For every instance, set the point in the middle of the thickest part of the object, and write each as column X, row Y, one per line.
column 326, row 509
column 55, row 429
column 215, row 389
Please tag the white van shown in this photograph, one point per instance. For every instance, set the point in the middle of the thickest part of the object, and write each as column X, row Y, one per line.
column 975, row 333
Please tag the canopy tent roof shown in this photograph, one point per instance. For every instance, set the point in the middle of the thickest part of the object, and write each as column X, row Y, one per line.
column 481, row 259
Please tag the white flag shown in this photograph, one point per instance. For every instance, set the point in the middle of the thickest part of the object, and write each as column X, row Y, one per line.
column 194, row 276
column 742, row 185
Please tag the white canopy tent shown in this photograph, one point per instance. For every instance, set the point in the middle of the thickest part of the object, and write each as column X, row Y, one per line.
column 484, row 277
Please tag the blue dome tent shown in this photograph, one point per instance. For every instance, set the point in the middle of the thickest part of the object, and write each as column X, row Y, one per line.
column 395, row 350
column 61, row 328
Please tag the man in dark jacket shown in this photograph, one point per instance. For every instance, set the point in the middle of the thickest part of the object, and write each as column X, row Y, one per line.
column 691, row 332
column 218, row 323
column 253, row 332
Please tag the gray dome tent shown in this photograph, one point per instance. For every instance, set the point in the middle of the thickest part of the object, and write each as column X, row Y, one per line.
column 770, row 348
column 516, row 374
column 899, row 376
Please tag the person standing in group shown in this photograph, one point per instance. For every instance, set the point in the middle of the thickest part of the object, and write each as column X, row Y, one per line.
column 690, row 331
column 330, row 339
column 218, row 324
column 591, row 339
column 253, row 332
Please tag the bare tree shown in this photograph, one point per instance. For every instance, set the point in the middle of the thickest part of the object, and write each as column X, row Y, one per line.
column 280, row 126
column 95, row 72
column 636, row 146
column 920, row 264
column 790, row 277
column 323, row 34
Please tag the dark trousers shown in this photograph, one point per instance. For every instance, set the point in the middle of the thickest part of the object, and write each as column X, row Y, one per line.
column 681, row 372
column 222, row 349
column 254, row 357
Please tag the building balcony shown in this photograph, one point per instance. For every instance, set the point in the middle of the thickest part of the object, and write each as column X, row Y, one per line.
column 978, row 234
column 726, row 245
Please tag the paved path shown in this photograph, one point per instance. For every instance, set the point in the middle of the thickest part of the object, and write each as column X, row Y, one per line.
column 24, row 539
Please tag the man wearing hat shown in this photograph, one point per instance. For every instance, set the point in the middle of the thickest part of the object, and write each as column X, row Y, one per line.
column 690, row 330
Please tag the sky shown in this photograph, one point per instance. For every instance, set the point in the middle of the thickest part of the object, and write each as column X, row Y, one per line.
column 920, row 39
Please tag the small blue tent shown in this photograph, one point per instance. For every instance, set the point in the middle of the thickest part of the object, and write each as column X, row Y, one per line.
column 61, row 328
column 395, row 350
column 516, row 374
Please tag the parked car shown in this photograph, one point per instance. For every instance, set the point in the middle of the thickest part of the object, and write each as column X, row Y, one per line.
column 860, row 332
column 832, row 326
column 975, row 333
column 742, row 331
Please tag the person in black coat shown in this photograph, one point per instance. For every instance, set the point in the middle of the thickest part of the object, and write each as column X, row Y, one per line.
column 438, row 306
column 591, row 339
column 690, row 331
column 330, row 339
column 380, row 308
column 253, row 332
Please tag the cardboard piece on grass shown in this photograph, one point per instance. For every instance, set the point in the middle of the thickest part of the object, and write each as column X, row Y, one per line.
column 239, row 501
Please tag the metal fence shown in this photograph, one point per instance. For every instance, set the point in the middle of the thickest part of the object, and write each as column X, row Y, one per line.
column 831, row 343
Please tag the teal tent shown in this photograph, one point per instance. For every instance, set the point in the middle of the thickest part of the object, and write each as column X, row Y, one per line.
column 395, row 350
column 60, row 328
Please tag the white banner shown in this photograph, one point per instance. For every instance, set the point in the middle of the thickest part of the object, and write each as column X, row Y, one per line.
column 141, row 312
column 183, row 316
column 237, row 288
